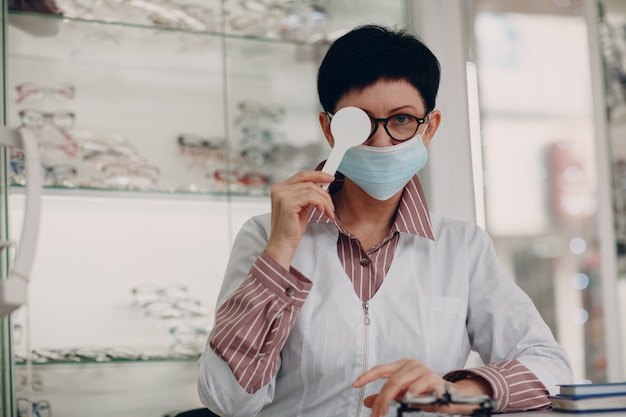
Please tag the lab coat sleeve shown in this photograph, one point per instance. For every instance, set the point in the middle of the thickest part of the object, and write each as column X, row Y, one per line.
column 503, row 323
column 255, row 313
column 220, row 392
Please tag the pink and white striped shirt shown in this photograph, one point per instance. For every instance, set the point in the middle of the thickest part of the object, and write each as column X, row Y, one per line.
column 253, row 324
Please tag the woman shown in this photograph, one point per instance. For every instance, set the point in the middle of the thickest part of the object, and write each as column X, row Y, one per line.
column 339, row 302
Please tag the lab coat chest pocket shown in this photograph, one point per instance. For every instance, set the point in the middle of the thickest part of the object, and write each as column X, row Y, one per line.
column 445, row 331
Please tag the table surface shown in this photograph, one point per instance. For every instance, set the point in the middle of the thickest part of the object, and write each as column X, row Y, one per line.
column 550, row 413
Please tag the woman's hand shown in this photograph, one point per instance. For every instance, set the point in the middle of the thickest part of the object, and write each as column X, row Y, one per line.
column 292, row 202
column 410, row 375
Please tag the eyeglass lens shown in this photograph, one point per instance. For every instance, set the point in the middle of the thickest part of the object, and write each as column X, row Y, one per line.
column 399, row 126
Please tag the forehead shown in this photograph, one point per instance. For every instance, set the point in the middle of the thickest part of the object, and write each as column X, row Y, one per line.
column 384, row 95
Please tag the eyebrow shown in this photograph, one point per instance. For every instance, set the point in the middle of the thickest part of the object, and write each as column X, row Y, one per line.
column 407, row 106
column 397, row 109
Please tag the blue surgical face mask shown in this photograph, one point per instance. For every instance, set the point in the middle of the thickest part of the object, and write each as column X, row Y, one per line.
column 383, row 171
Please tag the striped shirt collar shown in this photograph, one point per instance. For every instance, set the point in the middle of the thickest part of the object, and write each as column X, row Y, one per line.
column 412, row 216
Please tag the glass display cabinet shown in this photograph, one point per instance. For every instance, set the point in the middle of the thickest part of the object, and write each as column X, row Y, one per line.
column 551, row 144
column 162, row 125
column 545, row 146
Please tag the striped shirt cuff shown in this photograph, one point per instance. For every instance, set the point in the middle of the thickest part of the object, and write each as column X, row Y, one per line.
column 252, row 326
column 291, row 286
column 514, row 386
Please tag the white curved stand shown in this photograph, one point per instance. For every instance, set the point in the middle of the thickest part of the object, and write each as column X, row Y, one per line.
column 13, row 288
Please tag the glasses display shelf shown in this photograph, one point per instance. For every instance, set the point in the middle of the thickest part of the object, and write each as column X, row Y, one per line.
column 161, row 125
column 173, row 97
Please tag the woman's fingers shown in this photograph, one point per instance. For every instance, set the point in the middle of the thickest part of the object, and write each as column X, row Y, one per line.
column 292, row 201
column 295, row 197
column 302, row 190
column 402, row 376
column 380, row 371
column 413, row 377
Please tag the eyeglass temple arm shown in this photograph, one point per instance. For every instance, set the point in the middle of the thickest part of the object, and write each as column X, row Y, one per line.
column 13, row 289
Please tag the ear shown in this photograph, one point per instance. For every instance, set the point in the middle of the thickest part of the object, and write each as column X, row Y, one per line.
column 433, row 125
column 325, row 124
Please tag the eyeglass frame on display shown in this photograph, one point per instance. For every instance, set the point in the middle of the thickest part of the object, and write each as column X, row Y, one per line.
column 35, row 408
column 45, row 116
column 27, row 89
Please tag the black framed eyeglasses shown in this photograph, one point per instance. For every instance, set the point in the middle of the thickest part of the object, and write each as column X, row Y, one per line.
column 399, row 127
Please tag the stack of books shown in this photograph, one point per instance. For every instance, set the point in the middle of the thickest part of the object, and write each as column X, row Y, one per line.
column 589, row 398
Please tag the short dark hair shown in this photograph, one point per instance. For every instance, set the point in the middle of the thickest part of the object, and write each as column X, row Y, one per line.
column 370, row 53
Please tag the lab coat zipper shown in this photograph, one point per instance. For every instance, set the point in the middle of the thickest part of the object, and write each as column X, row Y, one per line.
column 366, row 322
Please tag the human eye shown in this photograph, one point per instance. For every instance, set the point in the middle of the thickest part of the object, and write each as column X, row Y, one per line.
column 402, row 120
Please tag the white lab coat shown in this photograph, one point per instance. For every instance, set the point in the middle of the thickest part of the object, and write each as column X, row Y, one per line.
column 439, row 300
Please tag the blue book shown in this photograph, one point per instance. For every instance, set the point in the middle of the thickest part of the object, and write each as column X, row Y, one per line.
column 593, row 389
column 588, row 403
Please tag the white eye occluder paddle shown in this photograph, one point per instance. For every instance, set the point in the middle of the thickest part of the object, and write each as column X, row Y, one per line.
column 350, row 127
